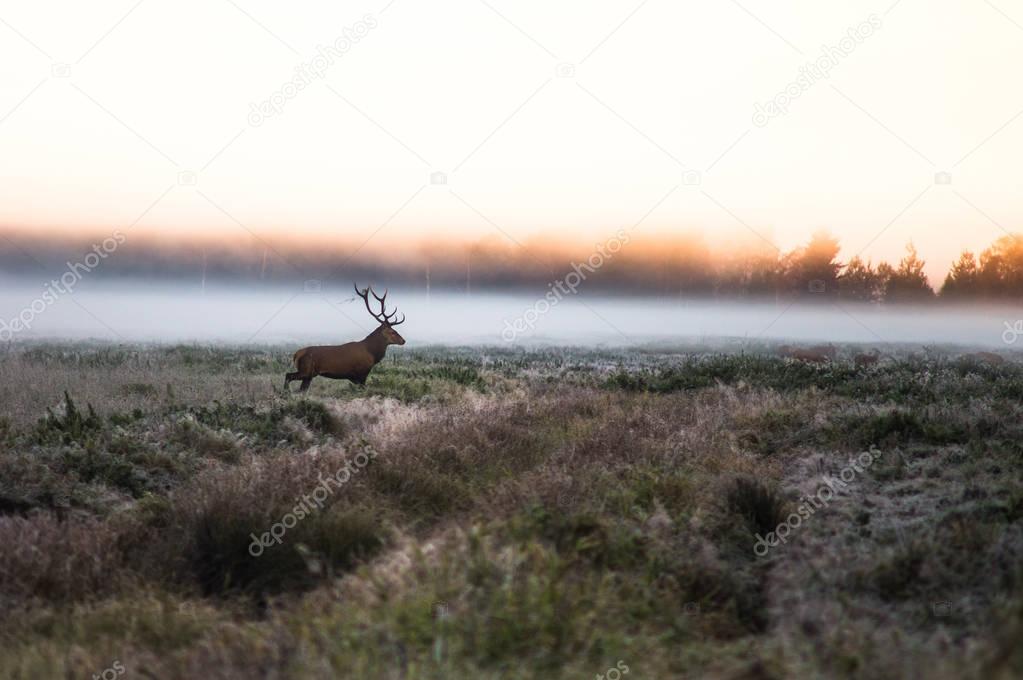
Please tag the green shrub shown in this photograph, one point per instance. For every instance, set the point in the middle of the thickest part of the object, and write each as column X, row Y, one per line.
column 97, row 465
column 206, row 441
column 71, row 427
column 901, row 427
column 267, row 426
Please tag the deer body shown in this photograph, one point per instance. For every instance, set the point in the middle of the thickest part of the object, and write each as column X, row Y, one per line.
column 989, row 358
column 864, row 360
column 353, row 360
column 814, row 355
column 810, row 356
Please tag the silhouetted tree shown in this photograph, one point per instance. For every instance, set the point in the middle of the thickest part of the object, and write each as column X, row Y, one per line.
column 907, row 283
column 963, row 279
column 750, row 273
column 1001, row 268
column 680, row 263
column 765, row 274
column 812, row 270
column 859, row 282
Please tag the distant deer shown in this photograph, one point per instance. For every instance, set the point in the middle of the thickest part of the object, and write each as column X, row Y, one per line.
column 826, row 350
column 815, row 355
column 989, row 358
column 864, row 360
column 352, row 360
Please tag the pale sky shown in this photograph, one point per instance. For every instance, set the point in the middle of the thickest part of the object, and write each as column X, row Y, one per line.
column 545, row 117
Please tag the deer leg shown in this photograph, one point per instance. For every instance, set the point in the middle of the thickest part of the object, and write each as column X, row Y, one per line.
column 288, row 377
column 305, row 384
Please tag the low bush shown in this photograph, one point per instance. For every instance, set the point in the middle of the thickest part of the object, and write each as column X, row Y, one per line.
column 70, row 426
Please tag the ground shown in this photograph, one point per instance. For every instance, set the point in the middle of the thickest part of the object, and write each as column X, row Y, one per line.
column 506, row 513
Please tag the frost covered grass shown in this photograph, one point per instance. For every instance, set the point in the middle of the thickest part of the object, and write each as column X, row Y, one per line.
column 545, row 513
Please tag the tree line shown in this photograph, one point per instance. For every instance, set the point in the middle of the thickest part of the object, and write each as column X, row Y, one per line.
column 681, row 264
column 997, row 274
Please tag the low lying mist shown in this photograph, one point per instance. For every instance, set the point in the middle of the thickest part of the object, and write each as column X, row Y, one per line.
column 123, row 310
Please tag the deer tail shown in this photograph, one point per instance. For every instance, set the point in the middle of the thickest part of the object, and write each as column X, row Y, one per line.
column 298, row 357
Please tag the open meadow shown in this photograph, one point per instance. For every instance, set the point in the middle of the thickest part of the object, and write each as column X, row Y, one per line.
column 511, row 340
column 169, row 512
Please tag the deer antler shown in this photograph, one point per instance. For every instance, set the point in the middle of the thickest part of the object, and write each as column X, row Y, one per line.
column 382, row 316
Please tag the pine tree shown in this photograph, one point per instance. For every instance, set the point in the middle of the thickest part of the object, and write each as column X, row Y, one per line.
column 1001, row 268
column 963, row 279
column 908, row 283
column 859, row 282
column 812, row 270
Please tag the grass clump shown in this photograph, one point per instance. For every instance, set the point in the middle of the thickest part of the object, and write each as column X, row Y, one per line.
column 898, row 575
column 774, row 431
column 583, row 536
column 6, row 431
column 57, row 561
column 700, row 372
column 141, row 389
column 899, row 427
column 761, row 507
column 70, row 426
column 267, row 427
column 191, row 434
column 226, row 556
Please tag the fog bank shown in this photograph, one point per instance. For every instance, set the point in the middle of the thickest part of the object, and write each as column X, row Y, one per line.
column 293, row 315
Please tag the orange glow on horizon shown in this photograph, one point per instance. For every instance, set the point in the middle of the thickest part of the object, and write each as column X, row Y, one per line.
column 566, row 124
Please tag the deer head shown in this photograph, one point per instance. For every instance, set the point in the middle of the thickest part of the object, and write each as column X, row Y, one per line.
column 387, row 322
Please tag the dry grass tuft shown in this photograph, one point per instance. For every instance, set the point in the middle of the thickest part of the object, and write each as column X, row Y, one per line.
column 51, row 560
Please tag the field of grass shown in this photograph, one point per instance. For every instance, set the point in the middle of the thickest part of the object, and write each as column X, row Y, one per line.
column 170, row 512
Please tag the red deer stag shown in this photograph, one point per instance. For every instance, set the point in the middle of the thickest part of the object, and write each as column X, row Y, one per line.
column 352, row 360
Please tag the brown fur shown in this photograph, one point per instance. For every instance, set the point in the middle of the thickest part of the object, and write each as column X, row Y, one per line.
column 987, row 358
column 863, row 360
column 352, row 360
column 814, row 355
